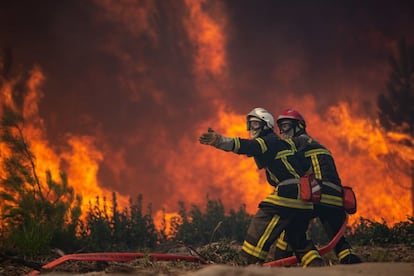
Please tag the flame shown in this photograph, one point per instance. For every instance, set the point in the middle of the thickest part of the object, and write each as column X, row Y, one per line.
column 82, row 159
column 376, row 163
column 369, row 159
column 233, row 179
column 207, row 35
column 162, row 217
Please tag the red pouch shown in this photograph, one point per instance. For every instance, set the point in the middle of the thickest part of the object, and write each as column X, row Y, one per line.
column 310, row 190
column 350, row 203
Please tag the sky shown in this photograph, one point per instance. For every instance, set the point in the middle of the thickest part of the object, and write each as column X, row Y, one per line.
column 137, row 81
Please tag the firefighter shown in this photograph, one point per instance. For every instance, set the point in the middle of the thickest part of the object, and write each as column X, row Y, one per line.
column 282, row 209
column 330, row 210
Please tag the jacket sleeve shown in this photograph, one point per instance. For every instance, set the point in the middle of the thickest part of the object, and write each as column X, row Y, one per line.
column 250, row 147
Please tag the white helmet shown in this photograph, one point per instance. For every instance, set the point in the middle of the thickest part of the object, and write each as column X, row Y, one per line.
column 264, row 116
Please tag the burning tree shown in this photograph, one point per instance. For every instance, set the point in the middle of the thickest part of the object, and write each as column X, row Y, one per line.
column 34, row 212
column 396, row 107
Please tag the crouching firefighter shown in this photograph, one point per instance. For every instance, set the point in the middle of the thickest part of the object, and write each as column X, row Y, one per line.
column 282, row 209
column 330, row 208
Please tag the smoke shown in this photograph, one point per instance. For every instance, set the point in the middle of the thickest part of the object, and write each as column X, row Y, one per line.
column 144, row 78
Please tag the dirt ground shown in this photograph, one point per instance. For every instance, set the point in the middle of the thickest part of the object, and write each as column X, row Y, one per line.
column 364, row 269
column 387, row 260
column 335, row 270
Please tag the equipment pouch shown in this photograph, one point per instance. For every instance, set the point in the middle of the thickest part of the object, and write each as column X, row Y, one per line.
column 310, row 190
column 350, row 203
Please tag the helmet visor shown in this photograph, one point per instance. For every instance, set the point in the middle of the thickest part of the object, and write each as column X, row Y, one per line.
column 254, row 124
column 285, row 125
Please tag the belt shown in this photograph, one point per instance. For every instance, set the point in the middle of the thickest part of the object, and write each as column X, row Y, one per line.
column 289, row 181
column 332, row 185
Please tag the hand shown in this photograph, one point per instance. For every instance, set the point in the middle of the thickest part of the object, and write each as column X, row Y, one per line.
column 209, row 138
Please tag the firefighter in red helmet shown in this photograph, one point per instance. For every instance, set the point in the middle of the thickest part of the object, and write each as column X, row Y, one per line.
column 283, row 209
column 330, row 209
column 291, row 123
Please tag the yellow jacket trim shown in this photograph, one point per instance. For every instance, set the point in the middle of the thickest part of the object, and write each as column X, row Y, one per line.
column 313, row 154
column 316, row 167
column 291, row 143
column 289, row 167
column 284, row 153
column 236, row 144
column 262, row 144
column 272, row 176
column 288, row 202
column 316, row 152
column 332, row 200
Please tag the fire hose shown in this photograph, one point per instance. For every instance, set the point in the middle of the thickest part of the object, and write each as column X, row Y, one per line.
column 118, row 257
column 126, row 257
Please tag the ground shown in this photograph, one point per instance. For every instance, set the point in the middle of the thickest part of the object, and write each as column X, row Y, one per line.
column 387, row 260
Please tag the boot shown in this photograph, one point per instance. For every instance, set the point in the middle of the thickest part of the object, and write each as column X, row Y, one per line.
column 317, row 262
column 350, row 259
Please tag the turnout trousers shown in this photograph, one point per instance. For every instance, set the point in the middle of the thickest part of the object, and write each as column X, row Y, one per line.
column 272, row 218
column 332, row 215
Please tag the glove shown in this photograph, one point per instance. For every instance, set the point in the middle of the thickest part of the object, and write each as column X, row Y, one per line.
column 216, row 140
column 209, row 138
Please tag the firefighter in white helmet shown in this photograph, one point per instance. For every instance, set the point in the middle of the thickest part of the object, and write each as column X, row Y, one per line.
column 282, row 209
column 330, row 210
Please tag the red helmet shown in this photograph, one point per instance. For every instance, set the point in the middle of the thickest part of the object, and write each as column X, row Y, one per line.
column 293, row 115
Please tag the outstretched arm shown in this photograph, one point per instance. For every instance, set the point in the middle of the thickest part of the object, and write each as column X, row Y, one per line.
column 214, row 139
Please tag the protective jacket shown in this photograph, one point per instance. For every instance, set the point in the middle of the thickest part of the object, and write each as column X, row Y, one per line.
column 330, row 210
column 323, row 165
column 283, row 209
column 282, row 165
